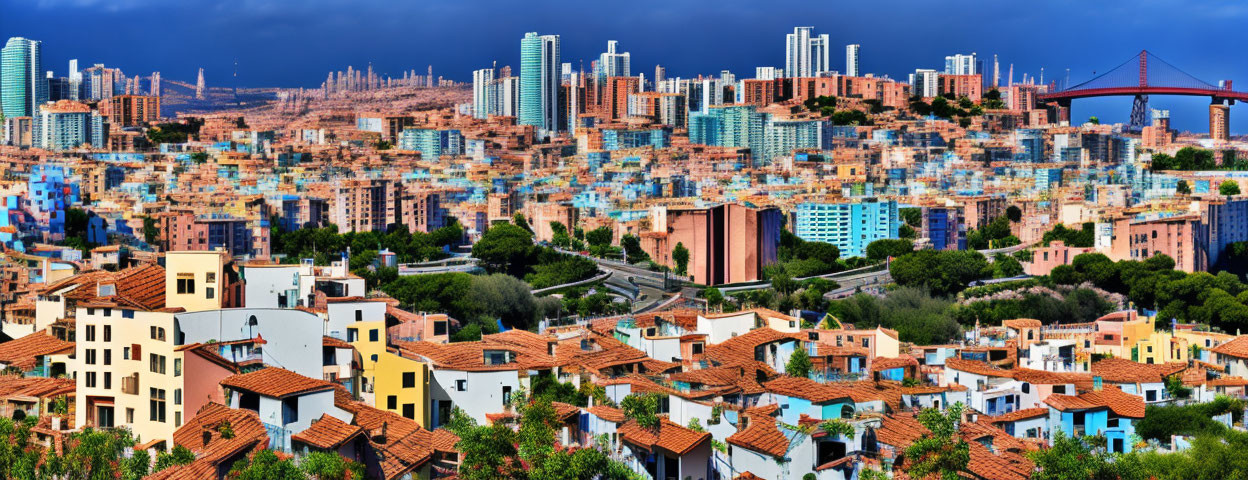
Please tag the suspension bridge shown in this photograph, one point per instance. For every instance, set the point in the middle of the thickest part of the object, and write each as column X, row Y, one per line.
column 1140, row 76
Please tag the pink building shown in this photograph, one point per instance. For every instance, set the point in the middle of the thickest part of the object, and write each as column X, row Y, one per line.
column 1044, row 259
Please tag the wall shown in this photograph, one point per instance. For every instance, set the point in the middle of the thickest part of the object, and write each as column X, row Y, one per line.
column 293, row 337
column 388, row 380
column 265, row 283
column 195, row 265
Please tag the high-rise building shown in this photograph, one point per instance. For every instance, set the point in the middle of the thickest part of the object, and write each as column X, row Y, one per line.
column 539, row 82
column 806, row 54
column 432, row 144
column 484, row 98
column 199, row 85
column 851, row 60
column 849, row 226
column 75, row 80
column 767, row 73
column 612, row 63
column 131, row 110
column 925, row 82
column 155, row 90
column 960, row 64
column 1219, row 122
column 728, row 243
column 660, row 74
column 67, row 124
column 23, row 87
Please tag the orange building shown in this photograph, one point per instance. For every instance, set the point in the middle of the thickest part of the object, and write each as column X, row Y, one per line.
column 131, row 110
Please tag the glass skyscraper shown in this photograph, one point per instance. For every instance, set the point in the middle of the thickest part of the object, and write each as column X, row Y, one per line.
column 539, row 81
column 23, row 88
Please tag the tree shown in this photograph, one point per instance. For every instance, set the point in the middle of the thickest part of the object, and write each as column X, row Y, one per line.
column 644, row 408
column 940, row 453
column 600, row 236
column 1228, row 188
column 505, row 248
column 179, row 455
column 521, row 222
column 884, row 248
column 1014, row 214
column 1182, row 188
column 714, row 297
column 1072, row 458
column 330, row 466
column 265, row 465
column 943, row 272
column 799, row 363
column 135, row 467
column 680, row 255
column 1094, row 120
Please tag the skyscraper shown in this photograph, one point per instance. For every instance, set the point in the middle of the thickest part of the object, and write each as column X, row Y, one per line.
column 199, row 86
column 539, row 81
column 851, row 60
column 75, row 80
column 484, row 98
column 612, row 63
column 23, row 87
column 806, row 54
column 925, row 82
column 960, row 64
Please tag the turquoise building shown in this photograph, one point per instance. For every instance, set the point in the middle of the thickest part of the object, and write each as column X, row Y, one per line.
column 849, row 226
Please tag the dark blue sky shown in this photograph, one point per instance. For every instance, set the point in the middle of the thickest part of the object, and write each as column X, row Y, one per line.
column 296, row 42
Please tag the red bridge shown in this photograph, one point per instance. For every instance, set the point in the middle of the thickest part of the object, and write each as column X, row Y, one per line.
column 1143, row 75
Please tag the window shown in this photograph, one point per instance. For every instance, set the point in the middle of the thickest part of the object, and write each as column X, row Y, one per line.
column 210, row 292
column 211, row 277
column 1150, row 395
column 866, row 342
column 108, row 312
column 177, row 396
column 1059, row 389
column 90, row 311
column 409, row 379
column 90, row 356
column 352, row 335
column 186, row 285
column 90, row 379
column 372, row 335
column 439, row 328
column 177, row 367
column 177, row 419
column 359, row 315
column 136, row 352
column 129, row 415
column 1026, row 387
column 461, row 385
column 108, row 356
column 108, row 380
column 409, row 410
column 90, row 333
column 158, row 333
column 157, row 363
column 127, row 314
column 392, row 402
column 506, row 394
column 125, row 353
column 108, row 332
column 697, row 348
column 290, row 410
column 157, row 405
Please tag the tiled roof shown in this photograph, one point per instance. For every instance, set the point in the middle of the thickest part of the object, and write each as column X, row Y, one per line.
column 900, row 430
column 739, row 350
column 334, row 343
column 668, row 436
column 470, row 356
column 328, row 433
column 1081, row 381
column 1121, row 403
column 885, row 363
column 275, row 382
column 1121, row 370
column 1238, row 347
column 1019, row 415
column 762, row 435
column 249, row 435
column 977, row 368
column 12, row 386
column 405, row 447
column 565, row 411
column 21, row 353
column 609, row 414
column 1021, row 323
column 805, row 388
column 140, row 287
column 444, row 441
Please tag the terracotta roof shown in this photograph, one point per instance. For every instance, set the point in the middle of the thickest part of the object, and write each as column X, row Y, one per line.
column 762, row 435
column 328, row 433
column 977, row 368
column 1019, row 415
column 249, row 435
column 609, row 414
column 801, row 387
column 1081, row 381
column 141, row 287
column 668, row 436
column 1021, row 323
column 900, row 430
column 334, row 342
column 444, row 441
column 39, row 387
column 739, row 350
column 1121, row 370
column 1121, row 403
column 885, row 363
column 22, row 353
column 275, row 382
column 1238, row 347
column 565, row 411
column 405, row 447
column 470, row 356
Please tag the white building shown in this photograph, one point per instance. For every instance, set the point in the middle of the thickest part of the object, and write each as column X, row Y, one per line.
column 851, row 59
column 806, row 54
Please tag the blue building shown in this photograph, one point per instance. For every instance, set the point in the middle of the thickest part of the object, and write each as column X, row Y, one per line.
column 622, row 139
column 432, row 144
column 1107, row 411
column 50, row 195
column 944, row 228
column 1048, row 178
column 849, row 226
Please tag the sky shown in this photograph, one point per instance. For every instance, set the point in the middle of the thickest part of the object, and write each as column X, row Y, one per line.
column 293, row 43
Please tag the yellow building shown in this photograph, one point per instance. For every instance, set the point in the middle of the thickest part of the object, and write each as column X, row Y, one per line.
column 197, row 280
column 390, row 382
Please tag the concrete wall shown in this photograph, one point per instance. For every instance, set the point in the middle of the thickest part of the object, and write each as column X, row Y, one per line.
column 293, row 337
column 265, row 283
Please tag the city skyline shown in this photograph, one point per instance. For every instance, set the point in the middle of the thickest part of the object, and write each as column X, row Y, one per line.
column 683, row 38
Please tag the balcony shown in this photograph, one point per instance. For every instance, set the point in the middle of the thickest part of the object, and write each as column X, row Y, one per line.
column 130, row 384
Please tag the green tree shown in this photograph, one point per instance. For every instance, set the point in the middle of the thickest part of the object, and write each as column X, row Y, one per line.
column 179, row 455
column 943, row 272
column 680, row 255
column 1182, row 188
column 600, row 236
column 632, row 248
column 521, row 222
column 265, row 465
column 940, row 453
column 1094, row 120
column 505, row 248
column 1014, row 214
column 889, row 247
column 135, row 467
column 330, row 466
column 714, row 297
column 644, row 408
column 1228, row 188
column 799, row 363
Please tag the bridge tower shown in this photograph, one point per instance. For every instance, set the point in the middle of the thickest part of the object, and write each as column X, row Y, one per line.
column 1139, row 108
